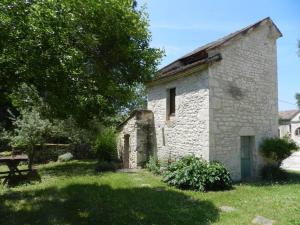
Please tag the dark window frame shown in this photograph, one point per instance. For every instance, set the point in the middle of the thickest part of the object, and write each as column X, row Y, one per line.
column 172, row 102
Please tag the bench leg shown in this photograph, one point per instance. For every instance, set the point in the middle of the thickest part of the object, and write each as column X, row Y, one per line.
column 5, row 180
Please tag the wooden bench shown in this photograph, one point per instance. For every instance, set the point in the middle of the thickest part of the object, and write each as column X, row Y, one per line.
column 12, row 163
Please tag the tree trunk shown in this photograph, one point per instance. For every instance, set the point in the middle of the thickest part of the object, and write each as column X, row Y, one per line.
column 30, row 157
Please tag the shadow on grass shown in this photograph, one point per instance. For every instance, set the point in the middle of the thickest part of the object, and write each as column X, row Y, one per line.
column 100, row 204
column 28, row 178
column 72, row 168
column 289, row 177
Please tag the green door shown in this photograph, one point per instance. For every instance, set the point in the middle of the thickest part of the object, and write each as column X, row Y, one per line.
column 246, row 152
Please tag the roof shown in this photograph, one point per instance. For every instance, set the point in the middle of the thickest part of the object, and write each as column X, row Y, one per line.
column 288, row 115
column 132, row 114
column 200, row 54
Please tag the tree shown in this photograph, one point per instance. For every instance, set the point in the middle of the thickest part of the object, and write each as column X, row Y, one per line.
column 30, row 130
column 275, row 150
column 85, row 58
column 27, row 101
column 298, row 99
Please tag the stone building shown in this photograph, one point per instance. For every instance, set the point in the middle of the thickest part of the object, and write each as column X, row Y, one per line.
column 289, row 125
column 217, row 102
column 136, row 139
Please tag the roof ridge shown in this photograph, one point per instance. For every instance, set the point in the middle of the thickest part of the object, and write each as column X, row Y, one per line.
column 219, row 42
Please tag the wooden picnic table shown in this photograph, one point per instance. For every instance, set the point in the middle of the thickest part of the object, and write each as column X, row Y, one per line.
column 12, row 163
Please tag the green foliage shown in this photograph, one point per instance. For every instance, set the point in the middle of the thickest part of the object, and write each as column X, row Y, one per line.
column 30, row 130
column 273, row 173
column 275, row 150
column 106, row 146
column 68, row 130
column 65, row 157
column 153, row 166
column 194, row 173
column 218, row 177
column 298, row 99
column 84, row 58
column 26, row 98
column 5, row 153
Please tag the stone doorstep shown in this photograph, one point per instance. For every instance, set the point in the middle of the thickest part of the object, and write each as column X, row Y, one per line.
column 262, row 220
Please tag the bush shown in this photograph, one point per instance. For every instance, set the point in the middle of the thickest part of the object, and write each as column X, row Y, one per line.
column 273, row 172
column 194, row 173
column 218, row 177
column 104, row 166
column 106, row 146
column 153, row 166
column 275, row 150
column 5, row 153
column 65, row 157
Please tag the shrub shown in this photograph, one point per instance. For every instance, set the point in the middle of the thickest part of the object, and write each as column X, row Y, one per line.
column 194, row 173
column 5, row 153
column 273, row 172
column 65, row 157
column 218, row 177
column 275, row 150
column 106, row 146
column 153, row 166
column 104, row 166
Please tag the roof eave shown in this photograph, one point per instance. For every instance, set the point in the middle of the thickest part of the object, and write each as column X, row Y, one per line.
column 187, row 70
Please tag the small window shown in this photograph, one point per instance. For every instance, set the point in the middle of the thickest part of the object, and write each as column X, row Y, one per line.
column 297, row 131
column 172, row 97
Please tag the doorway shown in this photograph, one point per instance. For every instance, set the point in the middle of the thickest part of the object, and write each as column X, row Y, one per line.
column 247, row 144
column 126, row 151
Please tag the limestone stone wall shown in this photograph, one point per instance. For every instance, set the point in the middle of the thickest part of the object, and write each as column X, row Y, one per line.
column 295, row 123
column 129, row 128
column 139, row 127
column 188, row 131
column 288, row 128
column 284, row 129
column 243, row 97
column 294, row 126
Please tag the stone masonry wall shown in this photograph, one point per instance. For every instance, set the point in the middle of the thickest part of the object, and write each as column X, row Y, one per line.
column 243, row 97
column 295, row 123
column 141, row 140
column 128, row 128
column 187, row 132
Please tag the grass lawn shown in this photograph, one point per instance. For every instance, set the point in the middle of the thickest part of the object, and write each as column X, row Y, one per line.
column 71, row 193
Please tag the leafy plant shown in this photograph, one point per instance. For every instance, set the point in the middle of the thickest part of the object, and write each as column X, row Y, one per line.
column 30, row 130
column 153, row 166
column 218, row 177
column 195, row 173
column 275, row 150
column 106, row 146
column 85, row 57
column 298, row 95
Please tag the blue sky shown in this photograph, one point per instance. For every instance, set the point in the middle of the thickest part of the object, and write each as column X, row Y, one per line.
column 179, row 26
